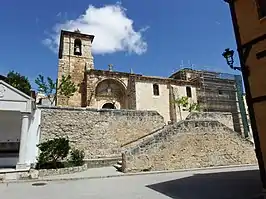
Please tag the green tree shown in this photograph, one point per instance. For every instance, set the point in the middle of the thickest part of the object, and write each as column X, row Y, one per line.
column 66, row 88
column 181, row 103
column 48, row 88
column 19, row 82
column 194, row 107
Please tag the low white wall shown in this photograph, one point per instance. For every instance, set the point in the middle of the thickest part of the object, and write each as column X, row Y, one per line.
column 34, row 137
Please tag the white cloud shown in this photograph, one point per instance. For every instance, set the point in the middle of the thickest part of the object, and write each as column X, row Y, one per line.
column 113, row 30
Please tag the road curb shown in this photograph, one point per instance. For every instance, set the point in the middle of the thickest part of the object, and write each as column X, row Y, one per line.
column 248, row 166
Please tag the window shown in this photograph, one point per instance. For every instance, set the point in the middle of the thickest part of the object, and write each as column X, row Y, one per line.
column 261, row 7
column 156, row 89
column 220, row 92
column 188, row 90
column 77, row 47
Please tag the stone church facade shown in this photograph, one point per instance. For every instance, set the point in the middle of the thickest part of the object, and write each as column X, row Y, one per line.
column 113, row 89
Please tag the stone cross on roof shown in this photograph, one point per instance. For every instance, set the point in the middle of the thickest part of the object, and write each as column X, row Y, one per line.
column 110, row 67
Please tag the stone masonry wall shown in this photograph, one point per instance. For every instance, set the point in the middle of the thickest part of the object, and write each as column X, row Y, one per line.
column 99, row 132
column 225, row 118
column 189, row 144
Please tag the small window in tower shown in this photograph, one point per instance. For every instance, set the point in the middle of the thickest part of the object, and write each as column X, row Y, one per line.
column 261, row 7
column 77, row 47
column 188, row 90
column 156, row 89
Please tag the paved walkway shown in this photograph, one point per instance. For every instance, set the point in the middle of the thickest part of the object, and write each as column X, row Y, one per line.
column 230, row 183
column 90, row 173
column 105, row 172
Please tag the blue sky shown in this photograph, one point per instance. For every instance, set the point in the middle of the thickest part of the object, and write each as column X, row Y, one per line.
column 151, row 37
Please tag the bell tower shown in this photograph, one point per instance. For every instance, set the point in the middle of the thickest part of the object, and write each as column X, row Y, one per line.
column 75, row 57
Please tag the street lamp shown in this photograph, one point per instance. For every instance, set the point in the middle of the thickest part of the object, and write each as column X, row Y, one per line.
column 229, row 57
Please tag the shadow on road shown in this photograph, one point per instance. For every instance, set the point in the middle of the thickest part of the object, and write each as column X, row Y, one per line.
column 225, row 185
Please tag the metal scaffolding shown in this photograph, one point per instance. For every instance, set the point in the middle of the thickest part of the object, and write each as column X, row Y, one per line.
column 218, row 92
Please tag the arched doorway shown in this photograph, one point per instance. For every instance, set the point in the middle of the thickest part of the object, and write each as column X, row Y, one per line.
column 108, row 91
column 108, row 106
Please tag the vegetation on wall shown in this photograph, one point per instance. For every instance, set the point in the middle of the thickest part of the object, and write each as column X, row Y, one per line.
column 77, row 157
column 183, row 103
column 19, row 82
column 194, row 107
column 54, row 153
column 66, row 87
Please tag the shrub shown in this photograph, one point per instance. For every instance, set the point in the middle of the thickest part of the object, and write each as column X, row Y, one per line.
column 52, row 152
column 77, row 157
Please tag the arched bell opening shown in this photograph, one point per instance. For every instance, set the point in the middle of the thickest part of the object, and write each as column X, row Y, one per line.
column 77, row 47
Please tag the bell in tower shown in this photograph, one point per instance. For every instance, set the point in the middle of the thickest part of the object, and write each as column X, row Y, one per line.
column 77, row 47
column 77, row 50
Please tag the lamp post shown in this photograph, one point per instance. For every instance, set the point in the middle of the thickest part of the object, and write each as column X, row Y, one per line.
column 229, row 57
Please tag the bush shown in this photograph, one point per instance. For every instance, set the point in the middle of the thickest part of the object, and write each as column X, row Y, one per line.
column 52, row 152
column 77, row 157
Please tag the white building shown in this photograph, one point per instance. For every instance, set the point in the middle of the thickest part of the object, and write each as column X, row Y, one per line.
column 19, row 128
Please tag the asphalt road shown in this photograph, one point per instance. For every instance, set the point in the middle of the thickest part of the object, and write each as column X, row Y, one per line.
column 221, row 184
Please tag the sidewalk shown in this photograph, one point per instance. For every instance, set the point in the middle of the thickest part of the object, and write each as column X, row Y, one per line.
column 242, row 182
column 90, row 173
column 108, row 172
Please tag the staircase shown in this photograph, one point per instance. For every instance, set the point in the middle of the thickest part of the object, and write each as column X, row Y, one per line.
column 118, row 166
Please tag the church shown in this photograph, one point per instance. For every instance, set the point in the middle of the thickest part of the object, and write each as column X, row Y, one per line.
column 111, row 89
column 107, row 89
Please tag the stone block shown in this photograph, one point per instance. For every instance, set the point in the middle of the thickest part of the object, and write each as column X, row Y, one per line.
column 12, row 176
column 34, row 174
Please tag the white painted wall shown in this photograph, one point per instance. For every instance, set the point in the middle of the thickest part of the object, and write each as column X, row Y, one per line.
column 34, row 136
column 11, row 99
column 180, row 91
column 145, row 100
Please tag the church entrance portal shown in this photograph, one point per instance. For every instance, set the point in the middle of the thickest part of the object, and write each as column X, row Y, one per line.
column 108, row 106
column 111, row 90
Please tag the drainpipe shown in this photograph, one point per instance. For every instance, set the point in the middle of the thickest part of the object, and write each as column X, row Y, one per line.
column 248, row 93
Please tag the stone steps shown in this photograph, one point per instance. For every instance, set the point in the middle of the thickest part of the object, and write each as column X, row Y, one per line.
column 189, row 144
